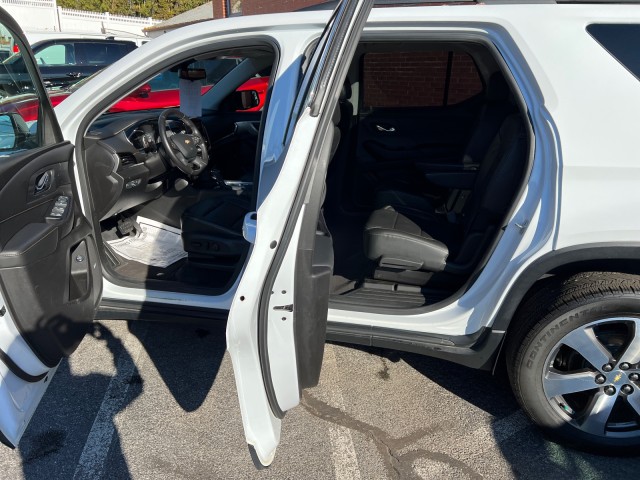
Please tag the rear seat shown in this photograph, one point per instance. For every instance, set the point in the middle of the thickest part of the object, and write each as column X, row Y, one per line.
column 409, row 240
column 496, row 108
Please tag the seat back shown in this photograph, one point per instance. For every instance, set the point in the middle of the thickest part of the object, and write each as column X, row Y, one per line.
column 495, row 188
column 497, row 107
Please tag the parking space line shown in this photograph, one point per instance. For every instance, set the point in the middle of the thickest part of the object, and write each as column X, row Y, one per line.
column 343, row 452
column 96, row 448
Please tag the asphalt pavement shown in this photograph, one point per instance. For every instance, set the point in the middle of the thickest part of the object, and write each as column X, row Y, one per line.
column 154, row 401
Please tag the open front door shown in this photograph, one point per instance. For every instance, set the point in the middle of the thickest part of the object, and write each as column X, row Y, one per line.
column 277, row 322
column 50, row 276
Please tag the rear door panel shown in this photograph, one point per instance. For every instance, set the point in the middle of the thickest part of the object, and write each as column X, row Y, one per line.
column 277, row 322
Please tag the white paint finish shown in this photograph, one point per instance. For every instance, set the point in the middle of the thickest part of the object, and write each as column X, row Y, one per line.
column 262, row 429
column 18, row 402
column 280, row 331
column 12, row 343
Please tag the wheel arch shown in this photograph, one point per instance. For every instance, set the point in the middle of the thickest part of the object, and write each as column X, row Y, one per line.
column 622, row 257
column 608, row 257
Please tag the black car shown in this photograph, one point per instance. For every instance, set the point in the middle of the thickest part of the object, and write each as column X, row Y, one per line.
column 63, row 62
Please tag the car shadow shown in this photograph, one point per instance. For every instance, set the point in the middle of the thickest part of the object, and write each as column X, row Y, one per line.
column 72, row 424
column 187, row 357
column 73, row 432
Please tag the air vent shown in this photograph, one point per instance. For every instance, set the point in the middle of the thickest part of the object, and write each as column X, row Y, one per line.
column 127, row 159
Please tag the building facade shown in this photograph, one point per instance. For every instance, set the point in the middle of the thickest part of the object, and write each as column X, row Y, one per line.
column 226, row 8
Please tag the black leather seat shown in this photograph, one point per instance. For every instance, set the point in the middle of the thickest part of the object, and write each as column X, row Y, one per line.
column 406, row 239
column 497, row 107
column 213, row 227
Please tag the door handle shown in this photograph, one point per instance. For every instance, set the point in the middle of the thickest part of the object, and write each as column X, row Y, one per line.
column 74, row 74
column 43, row 182
column 385, row 128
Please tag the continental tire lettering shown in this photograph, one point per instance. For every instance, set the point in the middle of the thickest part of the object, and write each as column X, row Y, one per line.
column 556, row 327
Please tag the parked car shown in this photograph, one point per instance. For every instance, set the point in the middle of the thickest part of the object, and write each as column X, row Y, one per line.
column 457, row 180
column 150, row 96
column 64, row 61
column 163, row 92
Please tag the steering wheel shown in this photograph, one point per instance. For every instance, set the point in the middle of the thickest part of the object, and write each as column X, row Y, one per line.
column 186, row 151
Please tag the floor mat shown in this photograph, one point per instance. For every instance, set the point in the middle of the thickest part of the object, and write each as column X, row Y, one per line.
column 158, row 245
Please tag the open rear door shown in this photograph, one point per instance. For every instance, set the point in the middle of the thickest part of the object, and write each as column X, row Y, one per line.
column 50, row 275
column 277, row 322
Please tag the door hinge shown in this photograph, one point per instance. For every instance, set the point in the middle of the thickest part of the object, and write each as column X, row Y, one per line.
column 288, row 308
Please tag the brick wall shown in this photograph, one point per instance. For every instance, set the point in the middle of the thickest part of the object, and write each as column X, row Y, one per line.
column 219, row 10
column 253, row 7
column 417, row 79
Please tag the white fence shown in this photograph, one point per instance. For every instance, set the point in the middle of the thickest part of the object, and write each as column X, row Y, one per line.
column 46, row 15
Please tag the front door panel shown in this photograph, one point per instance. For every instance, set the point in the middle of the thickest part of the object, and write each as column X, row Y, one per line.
column 50, row 275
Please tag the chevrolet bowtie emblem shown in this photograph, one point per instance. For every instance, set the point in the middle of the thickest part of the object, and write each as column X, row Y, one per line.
column 617, row 377
column 187, row 142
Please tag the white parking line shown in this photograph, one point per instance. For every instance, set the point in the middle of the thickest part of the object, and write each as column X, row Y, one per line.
column 96, row 448
column 343, row 452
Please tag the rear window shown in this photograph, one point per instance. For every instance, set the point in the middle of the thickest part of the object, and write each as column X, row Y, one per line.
column 621, row 41
column 419, row 79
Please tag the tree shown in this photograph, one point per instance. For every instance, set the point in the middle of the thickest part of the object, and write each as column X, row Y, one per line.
column 159, row 9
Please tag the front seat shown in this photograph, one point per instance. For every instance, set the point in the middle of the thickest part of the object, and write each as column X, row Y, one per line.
column 212, row 228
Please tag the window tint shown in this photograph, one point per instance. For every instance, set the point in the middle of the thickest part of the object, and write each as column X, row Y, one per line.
column 621, row 41
column 19, row 102
column 419, row 79
column 101, row 53
column 59, row 54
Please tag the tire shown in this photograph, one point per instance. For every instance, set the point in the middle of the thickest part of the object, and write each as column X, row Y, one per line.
column 572, row 359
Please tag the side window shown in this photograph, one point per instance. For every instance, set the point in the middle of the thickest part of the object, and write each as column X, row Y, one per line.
column 93, row 53
column 19, row 102
column 58, row 54
column 419, row 79
column 621, row 41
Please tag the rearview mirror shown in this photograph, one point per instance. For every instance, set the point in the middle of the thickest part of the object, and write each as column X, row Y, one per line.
column 193, row 74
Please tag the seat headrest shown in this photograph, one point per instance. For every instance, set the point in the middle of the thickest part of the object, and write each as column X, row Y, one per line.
column 345, row 93
column 497, row 89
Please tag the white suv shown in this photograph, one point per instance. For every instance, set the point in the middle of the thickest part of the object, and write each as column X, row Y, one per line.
column 458, row 181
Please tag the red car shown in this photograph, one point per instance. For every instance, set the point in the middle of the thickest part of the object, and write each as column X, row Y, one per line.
column 144, row 98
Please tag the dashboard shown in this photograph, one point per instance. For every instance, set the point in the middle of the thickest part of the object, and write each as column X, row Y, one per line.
column 127, row 166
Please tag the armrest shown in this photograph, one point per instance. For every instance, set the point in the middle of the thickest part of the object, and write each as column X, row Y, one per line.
column 445, row 165
column 33, row 242
column 462, row 180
